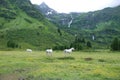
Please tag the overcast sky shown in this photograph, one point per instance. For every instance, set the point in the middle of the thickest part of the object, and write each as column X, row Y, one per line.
column 67, row 6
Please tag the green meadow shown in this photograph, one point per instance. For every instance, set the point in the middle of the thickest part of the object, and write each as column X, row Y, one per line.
column 80, row 65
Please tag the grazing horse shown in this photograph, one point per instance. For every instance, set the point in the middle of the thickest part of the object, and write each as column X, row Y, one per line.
column 29, row 50
column 49, row 52
column 68, row 50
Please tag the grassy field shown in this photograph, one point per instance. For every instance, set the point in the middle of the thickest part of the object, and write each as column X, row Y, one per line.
column 22, row 65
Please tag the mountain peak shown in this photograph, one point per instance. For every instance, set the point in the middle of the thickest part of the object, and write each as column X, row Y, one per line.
column 45, row 9
column 43, row 5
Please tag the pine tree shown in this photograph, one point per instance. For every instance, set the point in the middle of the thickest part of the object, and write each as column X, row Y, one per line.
column 59, row 31
column 89, row 44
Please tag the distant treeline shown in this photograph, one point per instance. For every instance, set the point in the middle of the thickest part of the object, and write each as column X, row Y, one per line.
column 78, row 44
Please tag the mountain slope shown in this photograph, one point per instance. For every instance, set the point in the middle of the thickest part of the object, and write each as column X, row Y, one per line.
column 22, row 24
column 103, row 25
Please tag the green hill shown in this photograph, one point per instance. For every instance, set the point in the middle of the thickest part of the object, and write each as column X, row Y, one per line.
column 23, row 26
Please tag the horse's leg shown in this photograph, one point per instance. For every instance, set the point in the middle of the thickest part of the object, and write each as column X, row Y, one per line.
column 70, row 53
column 50, row 54
column 65, row 53
column 47, row 53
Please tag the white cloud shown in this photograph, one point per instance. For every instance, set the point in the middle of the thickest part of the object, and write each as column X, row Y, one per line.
column 78, row 5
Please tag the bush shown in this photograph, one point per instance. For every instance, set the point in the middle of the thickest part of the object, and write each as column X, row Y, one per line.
column 115, row 46
column 12, row 44
column 89, row 44
column 59, row 31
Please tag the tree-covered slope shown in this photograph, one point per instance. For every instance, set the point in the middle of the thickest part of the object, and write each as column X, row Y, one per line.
column 23, row 26
column 104, row 25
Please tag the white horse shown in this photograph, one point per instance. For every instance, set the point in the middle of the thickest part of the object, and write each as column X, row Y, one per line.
column 29, row 50
column 69, row 50
column 49, row 52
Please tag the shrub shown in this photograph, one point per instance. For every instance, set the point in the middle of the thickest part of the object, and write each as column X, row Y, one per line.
column 12, row 44
column 89, row 44
column 59, row 31
column 115, row 46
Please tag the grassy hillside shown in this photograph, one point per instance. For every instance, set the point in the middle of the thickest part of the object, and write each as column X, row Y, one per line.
column 26, row 27
column 99, row 65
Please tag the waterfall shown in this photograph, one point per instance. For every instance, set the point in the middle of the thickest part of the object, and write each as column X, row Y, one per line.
column 93, row 37
column 69, row 23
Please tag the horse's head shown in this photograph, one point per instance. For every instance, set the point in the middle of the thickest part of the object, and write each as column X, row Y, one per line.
column 72, row 48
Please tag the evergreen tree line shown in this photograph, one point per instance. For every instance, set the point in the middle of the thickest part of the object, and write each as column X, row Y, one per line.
column 81, row 43
column 78, row 44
